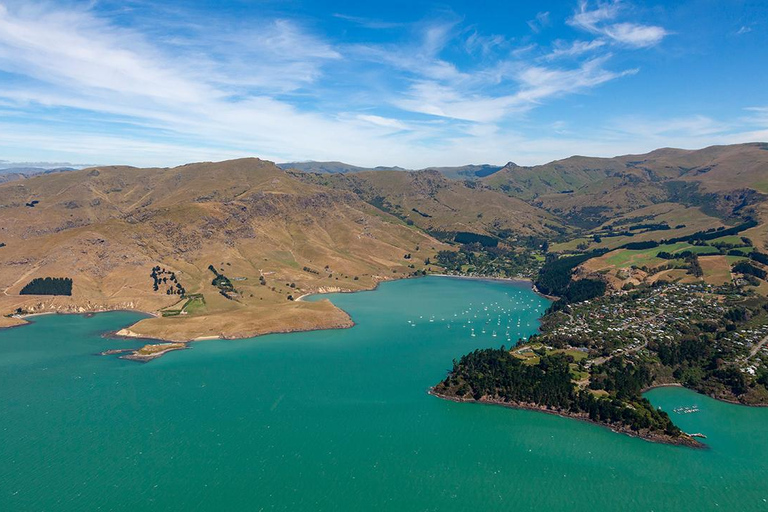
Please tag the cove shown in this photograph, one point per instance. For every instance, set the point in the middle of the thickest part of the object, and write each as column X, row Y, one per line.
column 337, row 420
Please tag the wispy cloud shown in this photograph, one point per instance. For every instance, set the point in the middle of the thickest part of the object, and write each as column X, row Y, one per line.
column 573, row 48
column 601, row 20
column 81, row 85
column 540, row 22
column 368, row 23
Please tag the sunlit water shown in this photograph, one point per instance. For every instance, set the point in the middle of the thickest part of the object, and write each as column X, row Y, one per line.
column 338, row 420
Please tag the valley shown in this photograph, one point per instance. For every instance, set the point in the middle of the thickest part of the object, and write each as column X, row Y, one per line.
column 227, row 250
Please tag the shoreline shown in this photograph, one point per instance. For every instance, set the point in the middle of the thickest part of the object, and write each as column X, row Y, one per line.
column 25, row 318
column 347, row 290
column 83, row 313
column 125, row 332
column 670, row 385
column 507, row 279
column 678, row 385
column 688, row 442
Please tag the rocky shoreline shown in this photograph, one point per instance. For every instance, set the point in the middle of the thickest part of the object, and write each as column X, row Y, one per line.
column 136, row 354
column 507, row 279
column 154, row 352
column 687, row 440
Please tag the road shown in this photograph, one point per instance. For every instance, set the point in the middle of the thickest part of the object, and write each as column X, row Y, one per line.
column 757, row 347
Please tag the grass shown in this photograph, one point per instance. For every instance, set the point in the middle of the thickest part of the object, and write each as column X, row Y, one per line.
column 762, row 289
column 743, row 250
column 529, row 357
column 730, row 239
column 577, row 374
column 577, row 355
column 148, row 350
column 761, row 186
column 647, row 257
column 717, row 269
column 195, row 304
column 570, row 245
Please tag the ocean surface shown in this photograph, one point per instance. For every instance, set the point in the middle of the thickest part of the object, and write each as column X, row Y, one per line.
column 339, row 420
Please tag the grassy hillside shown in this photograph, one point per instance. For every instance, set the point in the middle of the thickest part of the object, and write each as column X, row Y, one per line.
column 273, row 237
column 233, row 243
column 587, row 192
column 432, row 202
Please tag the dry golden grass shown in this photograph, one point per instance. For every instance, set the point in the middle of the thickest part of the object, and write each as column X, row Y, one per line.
column 107, row 227
column 245, row 322
column 717, row 269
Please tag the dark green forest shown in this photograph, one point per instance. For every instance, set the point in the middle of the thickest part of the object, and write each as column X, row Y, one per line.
column 48, row 286
column 497, row 375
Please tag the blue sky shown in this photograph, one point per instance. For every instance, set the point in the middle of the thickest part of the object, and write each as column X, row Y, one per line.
column 377, row 83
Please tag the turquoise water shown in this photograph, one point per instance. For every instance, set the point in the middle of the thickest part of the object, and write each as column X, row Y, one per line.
column 337, row 420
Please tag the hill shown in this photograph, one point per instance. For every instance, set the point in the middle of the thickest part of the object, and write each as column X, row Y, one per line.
column 223, row 249
column 17, row 173
column 586, row 192
column 116, row 231
column 332, row 167
column 436, row 204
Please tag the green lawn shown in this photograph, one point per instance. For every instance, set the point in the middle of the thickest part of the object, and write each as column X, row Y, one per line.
column 647, row 257
column 730, row 239
column 195, row 304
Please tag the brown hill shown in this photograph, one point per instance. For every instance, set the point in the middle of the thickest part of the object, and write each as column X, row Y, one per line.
column 108, row 227
column 432, row 202
column 249, row 222
column 587, row 192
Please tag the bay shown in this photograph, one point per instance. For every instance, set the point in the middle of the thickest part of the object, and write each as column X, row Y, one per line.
column 339, row 420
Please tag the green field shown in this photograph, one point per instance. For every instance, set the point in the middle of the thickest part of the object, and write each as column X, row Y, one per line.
column 195, row 304
column 647, row 257
column 730, row 239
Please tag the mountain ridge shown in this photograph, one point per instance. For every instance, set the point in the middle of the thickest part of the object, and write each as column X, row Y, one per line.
column 276, row 234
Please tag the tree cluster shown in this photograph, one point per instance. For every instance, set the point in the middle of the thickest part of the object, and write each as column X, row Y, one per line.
column 48, row 286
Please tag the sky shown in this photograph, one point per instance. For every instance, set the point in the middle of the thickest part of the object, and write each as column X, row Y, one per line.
column 406, row 83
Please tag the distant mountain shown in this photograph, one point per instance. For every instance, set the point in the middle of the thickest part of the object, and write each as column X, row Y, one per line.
column 325, row 167
column 587, row 191
column 454, row 173
column 16, row 173
column 467, row 171
column 272, row 234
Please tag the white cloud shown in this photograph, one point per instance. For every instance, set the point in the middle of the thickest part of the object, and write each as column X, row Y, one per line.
column 485, row 45
column 386, row 122
column 85, row 89
column 574, row 48
column 533, row 83
column 660, row 129
column 540, row 22
column 368, row 22
column 632, row 34
column 598, row 20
